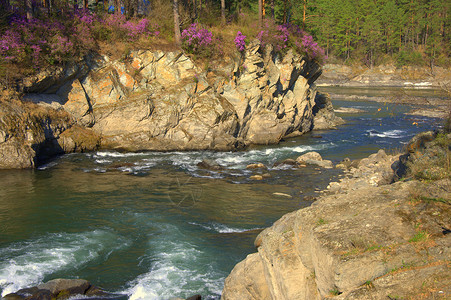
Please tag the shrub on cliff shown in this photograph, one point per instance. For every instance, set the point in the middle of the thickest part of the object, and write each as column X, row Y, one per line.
column 40, row 42
column 287, row 36
column 200, row 42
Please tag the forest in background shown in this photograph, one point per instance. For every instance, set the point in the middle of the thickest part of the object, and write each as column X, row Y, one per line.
column 364, row 32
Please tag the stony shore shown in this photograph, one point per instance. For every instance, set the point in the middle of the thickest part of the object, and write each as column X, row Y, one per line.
column 370, row 236
column 384, row 75
column 402, row 80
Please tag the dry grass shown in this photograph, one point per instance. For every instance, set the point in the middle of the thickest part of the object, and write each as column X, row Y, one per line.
column 435, row 162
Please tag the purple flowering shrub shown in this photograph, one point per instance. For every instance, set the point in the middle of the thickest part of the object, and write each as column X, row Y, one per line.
column 311, row 48
column 37, row 43
column 33, row 41
column 287, row 36
column 240, row 42
column 197, row 40
column 131, row 30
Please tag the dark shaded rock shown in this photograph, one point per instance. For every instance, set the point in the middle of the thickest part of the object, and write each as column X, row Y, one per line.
column 45, row 295
column 289, row 162
column 346, row 163
column 28, row 291
column 94, row 291
column 209, row 164
column 195, row 297
column 400, row 167
column 324, row 115
column 121, row 165
column 61, row 289
column 419, row 141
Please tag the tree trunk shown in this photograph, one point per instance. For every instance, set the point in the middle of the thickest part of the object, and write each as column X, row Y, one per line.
column 195, row 9
column 260, row 11
column 303, row 14
column 135, row 8
column 285, row 12
column 273, row 15
column 29, row 9
column 223, row 18
column 117, row 7
column 178, row 37
column 85, row 4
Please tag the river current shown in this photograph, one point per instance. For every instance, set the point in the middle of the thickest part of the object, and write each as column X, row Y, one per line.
column 155, row 226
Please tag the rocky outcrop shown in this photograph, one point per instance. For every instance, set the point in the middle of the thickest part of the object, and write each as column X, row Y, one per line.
column 363, row 241
column 30, row 134
column 155, row 100
column 324, row 114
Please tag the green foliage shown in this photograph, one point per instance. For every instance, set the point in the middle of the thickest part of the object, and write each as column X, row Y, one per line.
column 417, row 30
column 368, row 284
column 321, row 221
column 419, row 237
column 334, row 292
column 405, row 57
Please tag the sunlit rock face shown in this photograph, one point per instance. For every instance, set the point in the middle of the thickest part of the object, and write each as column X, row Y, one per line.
column 164, row 101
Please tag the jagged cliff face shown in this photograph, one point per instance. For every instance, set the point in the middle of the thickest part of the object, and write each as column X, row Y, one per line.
column 162, row 101
column 30, row 134
column 370, row 240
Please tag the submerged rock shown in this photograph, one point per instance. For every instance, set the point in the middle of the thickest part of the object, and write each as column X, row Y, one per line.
column 209, row 164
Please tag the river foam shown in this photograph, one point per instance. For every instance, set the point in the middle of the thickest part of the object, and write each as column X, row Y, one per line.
column 177, row 268
column 28, row 263
column 222, row 228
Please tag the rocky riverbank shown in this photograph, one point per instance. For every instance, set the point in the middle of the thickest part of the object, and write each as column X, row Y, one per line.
column 162, row 101
column 369, row 237
column 384, row 75
column 403, row 82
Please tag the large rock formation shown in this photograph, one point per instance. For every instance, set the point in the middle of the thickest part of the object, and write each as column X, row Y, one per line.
column 163, row 101
column 30, row 134
column 366, row 241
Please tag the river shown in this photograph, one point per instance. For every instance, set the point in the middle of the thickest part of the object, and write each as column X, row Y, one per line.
column 154, row 225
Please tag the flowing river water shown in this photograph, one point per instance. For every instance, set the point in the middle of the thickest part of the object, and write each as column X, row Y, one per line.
column 154, row 225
